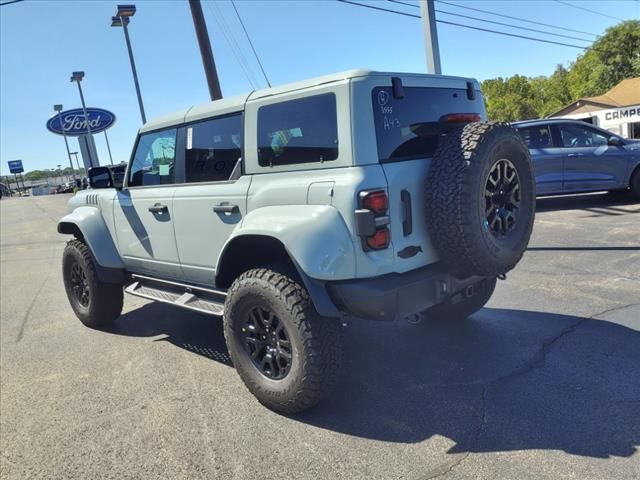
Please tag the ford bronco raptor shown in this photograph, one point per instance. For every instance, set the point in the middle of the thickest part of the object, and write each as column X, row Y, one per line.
column 288, row 210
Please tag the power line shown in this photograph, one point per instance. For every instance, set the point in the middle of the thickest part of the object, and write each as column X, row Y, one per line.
column 468, row 26
column 251, row 43
column 516, row 18
column 379, row 8
column 10, row 2
column 589, row 10
column 496, row 23
column 514, row 26
column 235, row 49
column 513, row 35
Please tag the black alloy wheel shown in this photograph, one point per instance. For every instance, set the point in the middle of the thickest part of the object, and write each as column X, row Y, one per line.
column 95, row 302
column 502, row 198
column 80, row 285
column 266, row 341
column 285, row 353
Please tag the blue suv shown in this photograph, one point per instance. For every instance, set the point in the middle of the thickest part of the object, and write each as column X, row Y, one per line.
column 571, row 156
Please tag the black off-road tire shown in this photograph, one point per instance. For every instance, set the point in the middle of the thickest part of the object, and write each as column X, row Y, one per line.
column 456, row 204
column 315, row 342
column 103, row 303
column 454, row 312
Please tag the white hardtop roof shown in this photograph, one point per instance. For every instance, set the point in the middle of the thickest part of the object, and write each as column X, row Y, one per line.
column 236, row 103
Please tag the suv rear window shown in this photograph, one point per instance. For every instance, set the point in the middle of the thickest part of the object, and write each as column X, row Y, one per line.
column 298, row 131
column 407, row 128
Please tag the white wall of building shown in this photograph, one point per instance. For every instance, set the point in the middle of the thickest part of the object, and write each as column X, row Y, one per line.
column 618, row 120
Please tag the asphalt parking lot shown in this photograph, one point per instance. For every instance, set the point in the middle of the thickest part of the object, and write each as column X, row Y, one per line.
column 543, row 383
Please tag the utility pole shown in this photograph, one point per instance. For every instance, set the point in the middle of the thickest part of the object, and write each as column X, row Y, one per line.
column 205, row 49
column 428, row 13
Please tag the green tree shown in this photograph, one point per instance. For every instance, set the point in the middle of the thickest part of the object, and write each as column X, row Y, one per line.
column 612, row 58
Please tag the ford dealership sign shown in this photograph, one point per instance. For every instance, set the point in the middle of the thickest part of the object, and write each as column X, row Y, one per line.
column 74, row 123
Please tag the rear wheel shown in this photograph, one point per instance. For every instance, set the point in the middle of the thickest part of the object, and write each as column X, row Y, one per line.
column 94, row 302
column 285, row 353
column 464, row 307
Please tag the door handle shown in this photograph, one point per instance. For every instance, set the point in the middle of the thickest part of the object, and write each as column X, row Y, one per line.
column 575, row 155
column 226, row 208
column 158, row 208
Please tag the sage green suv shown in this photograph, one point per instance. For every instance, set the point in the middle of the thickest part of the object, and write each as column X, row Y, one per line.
column 288, row 210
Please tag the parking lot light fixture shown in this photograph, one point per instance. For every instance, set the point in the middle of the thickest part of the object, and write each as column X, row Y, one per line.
column 126, row 10
column 121, row 19
column 58, row 108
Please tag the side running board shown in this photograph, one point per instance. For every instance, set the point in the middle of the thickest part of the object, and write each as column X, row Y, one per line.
column 181, row 295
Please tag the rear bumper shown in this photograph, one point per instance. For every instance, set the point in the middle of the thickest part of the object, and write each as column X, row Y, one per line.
column 397, row 295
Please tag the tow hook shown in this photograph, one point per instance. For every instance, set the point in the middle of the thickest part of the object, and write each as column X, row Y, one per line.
column 502, row 276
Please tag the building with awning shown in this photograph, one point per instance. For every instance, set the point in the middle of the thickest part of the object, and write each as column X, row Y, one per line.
column 618, row 110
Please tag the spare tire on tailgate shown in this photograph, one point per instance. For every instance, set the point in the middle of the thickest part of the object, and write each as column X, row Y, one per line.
column 480, row 199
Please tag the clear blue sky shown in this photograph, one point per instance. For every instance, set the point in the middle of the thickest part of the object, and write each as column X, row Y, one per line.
column 43, row 41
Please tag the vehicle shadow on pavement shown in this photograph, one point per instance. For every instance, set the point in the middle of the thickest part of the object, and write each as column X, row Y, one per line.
column 599, row 204
column 196, row 332
column 502, row 380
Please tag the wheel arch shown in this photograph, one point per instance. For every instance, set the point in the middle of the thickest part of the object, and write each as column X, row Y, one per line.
column 88, row 226
column 635, row 170
column 244, row 252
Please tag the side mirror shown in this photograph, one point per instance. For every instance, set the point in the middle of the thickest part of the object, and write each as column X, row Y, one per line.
column 615, row 142
column 100, row 177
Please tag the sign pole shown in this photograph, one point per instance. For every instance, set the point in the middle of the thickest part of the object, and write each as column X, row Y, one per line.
column 73, row 172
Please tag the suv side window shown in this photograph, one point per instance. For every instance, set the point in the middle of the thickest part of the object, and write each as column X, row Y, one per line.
column 213, row 149
column 154, row 160
column 536, row 137
column 298, row 131
column 579, row 136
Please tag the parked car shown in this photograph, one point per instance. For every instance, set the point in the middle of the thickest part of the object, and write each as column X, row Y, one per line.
column 289, row 210
column 571, row 156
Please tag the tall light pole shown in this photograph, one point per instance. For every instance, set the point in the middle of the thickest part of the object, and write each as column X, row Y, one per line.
column 121, row 19
column 58, row 108
column 77, row 77
column 108, row 147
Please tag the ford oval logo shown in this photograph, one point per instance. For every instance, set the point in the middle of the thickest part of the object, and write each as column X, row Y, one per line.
column 74, row 123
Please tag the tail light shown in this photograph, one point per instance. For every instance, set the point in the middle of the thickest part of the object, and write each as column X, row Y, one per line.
column 376, row 201
column 372, row 220
column 460, row 118
column 379, row 240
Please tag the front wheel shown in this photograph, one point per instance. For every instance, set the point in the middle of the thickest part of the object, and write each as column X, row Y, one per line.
column 94, row 302
column 285, row 353
column 449, row 311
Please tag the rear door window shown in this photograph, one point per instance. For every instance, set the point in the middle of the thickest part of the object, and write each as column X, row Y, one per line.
column 407, row 128
column 298, row 131
column 213, row 149
column 537, row 136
